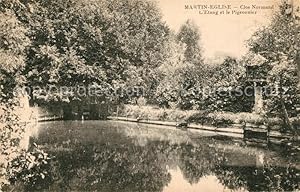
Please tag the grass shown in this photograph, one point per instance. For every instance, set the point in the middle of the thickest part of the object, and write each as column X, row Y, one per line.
column 154, row 113
column 218, row 119
column 193, row 116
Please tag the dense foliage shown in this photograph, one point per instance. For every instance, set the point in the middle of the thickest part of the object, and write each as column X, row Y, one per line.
column 104, row 43
column 13, row 42
column 121, row 44
column 279, row 44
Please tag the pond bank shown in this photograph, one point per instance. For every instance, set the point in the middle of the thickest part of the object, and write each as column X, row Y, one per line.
column 221, row 123
column 243, row 124
column 233, row 131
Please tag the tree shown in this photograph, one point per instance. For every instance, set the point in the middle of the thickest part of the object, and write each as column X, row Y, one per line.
column 170, row 78
column 189, row 35
column 83, row 43
column 226, row 82
column 279, row 43
column 13, row 42
column 182, row 70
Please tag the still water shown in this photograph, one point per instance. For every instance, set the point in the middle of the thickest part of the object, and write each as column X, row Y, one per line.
column 129, row 157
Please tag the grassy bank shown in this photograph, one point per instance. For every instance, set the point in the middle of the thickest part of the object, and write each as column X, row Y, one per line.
column 217, row 119
column 154, row 113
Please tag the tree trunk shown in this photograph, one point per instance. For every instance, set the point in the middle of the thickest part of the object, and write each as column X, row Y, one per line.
column 285, row 116
column 285, row 113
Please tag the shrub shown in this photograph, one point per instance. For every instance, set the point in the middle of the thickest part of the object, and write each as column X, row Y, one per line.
column 200, row 117
column 218, row 119
column 32, row 169
column 154, row 113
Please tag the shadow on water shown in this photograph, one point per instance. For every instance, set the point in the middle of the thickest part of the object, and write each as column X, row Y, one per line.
column 115, row 156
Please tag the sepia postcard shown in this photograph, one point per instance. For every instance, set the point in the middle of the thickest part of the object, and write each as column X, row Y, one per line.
column 149, row 95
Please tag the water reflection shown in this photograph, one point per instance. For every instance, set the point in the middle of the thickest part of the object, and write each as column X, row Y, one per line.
column 111, row 156
column 208, row 183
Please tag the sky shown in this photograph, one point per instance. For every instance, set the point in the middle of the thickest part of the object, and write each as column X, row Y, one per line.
column 220, row 34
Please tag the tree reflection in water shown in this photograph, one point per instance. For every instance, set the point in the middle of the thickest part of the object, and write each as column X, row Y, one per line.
column 268, row 178
column 112, row 168
column 113, row 161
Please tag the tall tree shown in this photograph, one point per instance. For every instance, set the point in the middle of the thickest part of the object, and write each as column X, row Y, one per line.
column 279, row 43
column 189, row 35
column 13, row 42
column 84, row 43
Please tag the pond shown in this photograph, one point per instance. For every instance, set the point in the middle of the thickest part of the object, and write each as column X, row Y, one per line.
column 120, row 156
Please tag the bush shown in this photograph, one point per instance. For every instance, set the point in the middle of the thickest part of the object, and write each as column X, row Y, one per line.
column 154, row 113
column 200, row 117
column 218, row 119
column 32, row 169
column 206, row 118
